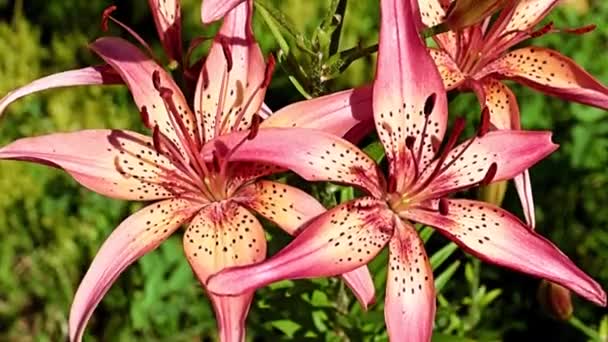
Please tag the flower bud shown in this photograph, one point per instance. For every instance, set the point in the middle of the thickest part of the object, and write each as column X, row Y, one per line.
column 493, row 193
column 555, row 300
column 464, row 13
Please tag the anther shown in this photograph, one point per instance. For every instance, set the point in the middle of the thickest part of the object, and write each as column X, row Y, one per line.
column 444, row 206
column 255, row 126
column 227, row 54
column 490, row 174
column 145, row 117
column 409, row 142
column 429, row 104
column 581, row 30
column 156, row 139
column 543, row 30
column 156, row 79
column 484, row 125
column 106, row 16
column 269, row 70
column 216, row 161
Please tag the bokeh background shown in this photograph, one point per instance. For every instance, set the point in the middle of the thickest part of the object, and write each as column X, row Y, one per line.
column 50, row 227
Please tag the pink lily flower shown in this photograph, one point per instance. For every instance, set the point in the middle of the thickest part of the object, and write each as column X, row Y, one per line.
column 478, row 57
column 410, row 111
column 215, row 198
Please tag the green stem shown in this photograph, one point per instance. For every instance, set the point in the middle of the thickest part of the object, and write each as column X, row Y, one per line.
column 578, row 324
column 335, row 36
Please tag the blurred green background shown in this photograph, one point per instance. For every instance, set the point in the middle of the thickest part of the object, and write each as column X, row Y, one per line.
column 50, row 228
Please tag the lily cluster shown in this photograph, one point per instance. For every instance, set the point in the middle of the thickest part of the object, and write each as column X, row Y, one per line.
column 204, row 162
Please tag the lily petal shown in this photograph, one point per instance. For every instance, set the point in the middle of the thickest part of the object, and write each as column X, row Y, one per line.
column 117, row 164
column 340, row 240
column 409, row 98
column 139, row 234
column 231, row 86
column 409, row 308
column 101, row 74
column 213, row 10
column 433, row 11
column 511, row 151
column 136, row 70
column 552, row 73
column 224, row 235
column 167, row 17
column 321, row 156
column 496, row 236
column 524, row 191
column 504, row 114
column 525, row 14
column 291, row 208
column 245, row 172
column 335, row 113
column 448, row 69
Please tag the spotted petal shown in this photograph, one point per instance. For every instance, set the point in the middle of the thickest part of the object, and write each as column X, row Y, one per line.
column 336, row 113
column 341, row 240
column 552, row 73
column 136, row 70
column 230, row 88
column 511, row 151
column 409, row 307
column 407, row 85
column 224, row 235
column 525, row 14
column 433, row 11
column 494, row 235
column 504, row 114
column 167, row 17
column 320, row 156
column 101, row 74
column 450, row 73
column 139, row 234
column 117, row 164
column 213, row 10
column 291, row 208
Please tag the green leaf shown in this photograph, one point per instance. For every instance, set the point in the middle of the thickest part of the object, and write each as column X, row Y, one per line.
column 287, row 327
column 443, row 254
column 444, row 277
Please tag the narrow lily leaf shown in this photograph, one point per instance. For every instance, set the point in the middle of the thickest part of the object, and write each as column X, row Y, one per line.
column 442, row 280
column 137, row 235
column 409, row 308
column 321, row 156
column 223, row 235
column 443, row 254
column 552, row 73
column 117, row 164
column 338, row 241
column 426, row 233
column 496, row 236
column 336, row 113
column 101, row 74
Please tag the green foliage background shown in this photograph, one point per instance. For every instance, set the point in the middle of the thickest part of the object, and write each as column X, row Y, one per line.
column 50, row 228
